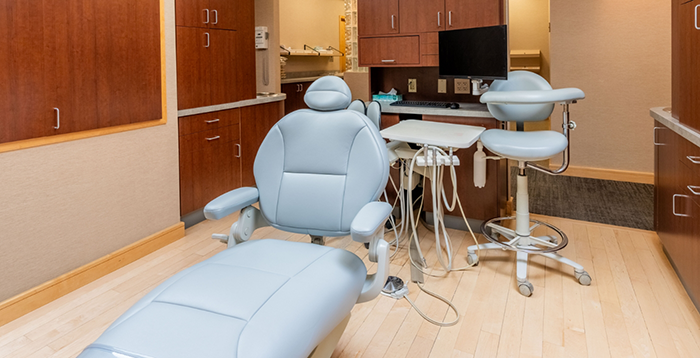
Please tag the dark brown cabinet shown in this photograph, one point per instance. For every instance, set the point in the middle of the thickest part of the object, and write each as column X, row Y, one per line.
column 212, row 14
column 256, row 122
column 438, row 15
column 390, row 51
column 295, row 96
column 69, row 66
column 377, row 17
column 677, row 206
column 687, row 47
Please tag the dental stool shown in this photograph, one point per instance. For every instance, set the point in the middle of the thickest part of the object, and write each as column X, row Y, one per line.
column 318, row 172
column 525, row 97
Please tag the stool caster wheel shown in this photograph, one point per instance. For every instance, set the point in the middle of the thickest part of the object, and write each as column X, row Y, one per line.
column 472, row 259
column 526, row 288
column 367, row 245
column 583, row 278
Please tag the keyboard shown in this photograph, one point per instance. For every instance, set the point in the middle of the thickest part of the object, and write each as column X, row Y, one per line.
column 422, row 104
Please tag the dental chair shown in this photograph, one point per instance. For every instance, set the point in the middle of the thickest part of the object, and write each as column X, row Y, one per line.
column 373, row 110
column 319, row 171
column 526, row 97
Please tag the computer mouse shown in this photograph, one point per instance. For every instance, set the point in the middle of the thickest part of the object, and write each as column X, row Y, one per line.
column 454, row 105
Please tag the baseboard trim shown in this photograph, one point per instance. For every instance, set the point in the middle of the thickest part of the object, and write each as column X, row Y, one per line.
column 608, row 174
column 36, row 297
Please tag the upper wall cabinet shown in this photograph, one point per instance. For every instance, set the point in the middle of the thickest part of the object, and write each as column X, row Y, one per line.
column 213, row 14
column 74, row 65
column 686, row 76
column 377, row 17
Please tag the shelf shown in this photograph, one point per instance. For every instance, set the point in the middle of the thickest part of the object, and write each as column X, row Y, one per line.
column 525, row 68
column 524, row 53
column 309, row 54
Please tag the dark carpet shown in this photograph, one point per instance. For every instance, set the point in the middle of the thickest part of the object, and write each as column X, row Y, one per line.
column 601, row 201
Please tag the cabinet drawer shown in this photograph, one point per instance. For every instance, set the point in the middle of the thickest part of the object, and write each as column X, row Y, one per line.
column 208, row 121
column 209, row 139
column 389, row 51
column 690, row 156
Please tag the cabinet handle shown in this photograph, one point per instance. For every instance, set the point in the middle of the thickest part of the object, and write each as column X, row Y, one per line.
column 206, row 11
column 239, row 150
column 208, row 39
column 693, row 189
column 694, row 159
column 438, row 18
column 392, row 22
column 212, row 121
column 58, row 118
column 388, row 61
column 696, row 17
column 654, row 136
column 449, row 18
column 216, row 17
column 674, row 205
column 213, row 138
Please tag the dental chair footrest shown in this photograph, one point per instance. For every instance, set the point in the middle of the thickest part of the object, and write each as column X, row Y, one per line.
column 262, row 298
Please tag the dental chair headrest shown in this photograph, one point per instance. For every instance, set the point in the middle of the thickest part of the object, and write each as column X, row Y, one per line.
column 328, row 93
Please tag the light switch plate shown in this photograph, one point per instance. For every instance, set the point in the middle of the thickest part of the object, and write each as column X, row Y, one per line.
column 442, row 86
column 462, row 86
column 412, row 85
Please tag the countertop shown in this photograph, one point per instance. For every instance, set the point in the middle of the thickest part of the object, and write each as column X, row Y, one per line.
column 464, row 110
column 681, row 129
column 308, row 79
column 222, row 107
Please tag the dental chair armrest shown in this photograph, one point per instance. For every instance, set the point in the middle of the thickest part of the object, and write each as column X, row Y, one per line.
column 371, row 217
column 231, row 202
column 563, row 95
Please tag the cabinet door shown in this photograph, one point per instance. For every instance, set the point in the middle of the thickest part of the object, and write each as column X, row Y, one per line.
column 422, row 16
column 464, row 14
column 389, row 51
column 193, row 70
column 192, row 13
column 25, row 111
column 689, row 111
column 377, row 17
column 128, row 61
column 256, row 121
column 226, row 14
column 223, row 59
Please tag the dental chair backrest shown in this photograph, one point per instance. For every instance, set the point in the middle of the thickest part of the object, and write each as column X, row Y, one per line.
column 521, row 81
column 318, row 167
column 373, row 110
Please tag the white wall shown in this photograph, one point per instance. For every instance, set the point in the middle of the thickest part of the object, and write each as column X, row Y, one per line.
column 619, row 53
column 67, row 204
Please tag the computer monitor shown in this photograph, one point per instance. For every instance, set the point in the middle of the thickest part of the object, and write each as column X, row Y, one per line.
column 479, row 53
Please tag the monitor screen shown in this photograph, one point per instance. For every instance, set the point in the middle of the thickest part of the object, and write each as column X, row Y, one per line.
column 480, row 53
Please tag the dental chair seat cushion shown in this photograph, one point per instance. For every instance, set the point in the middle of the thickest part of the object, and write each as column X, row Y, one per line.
column 524, row 146
column 262, row 298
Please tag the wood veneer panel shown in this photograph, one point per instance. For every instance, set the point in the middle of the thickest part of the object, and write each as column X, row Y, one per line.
column 128, row 61
column 193, row 71
column 474, row 13
column 191, row 13
column 675, row 59
column 223, row 59
column 256, row 122
column 374, row 17
column 246, row 86
column 229, row 14
column 422, row 16
column 689, row 106
column 390, row 51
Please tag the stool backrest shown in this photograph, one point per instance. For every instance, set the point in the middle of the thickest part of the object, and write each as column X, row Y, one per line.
column 521, row 81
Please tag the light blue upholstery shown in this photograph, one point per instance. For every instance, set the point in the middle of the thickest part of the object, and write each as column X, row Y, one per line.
column 524, row 146
column 374, row 113
column 319, row 172
column 358, row 105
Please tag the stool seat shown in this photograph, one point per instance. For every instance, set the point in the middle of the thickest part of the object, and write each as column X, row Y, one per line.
column 524, row 146
column 264, row 298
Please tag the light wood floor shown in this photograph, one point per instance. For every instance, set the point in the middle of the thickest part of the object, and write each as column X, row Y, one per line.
column 636, row 306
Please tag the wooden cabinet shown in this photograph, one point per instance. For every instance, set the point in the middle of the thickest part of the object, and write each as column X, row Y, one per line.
column 94, row 64
column 295, row 96
column 217, row 151
column 210, row 157
column 478, row 203
column 377, row 17
column 688, row 52
column 256, row 122
column 215, row 52
column 212, row 14
column 422, row 18
column 677, row 207
column 390, row 51
column 207, row 67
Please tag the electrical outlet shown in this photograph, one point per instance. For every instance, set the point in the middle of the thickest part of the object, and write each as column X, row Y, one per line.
column 462, row 86
column 442, row 86
column 412, row 85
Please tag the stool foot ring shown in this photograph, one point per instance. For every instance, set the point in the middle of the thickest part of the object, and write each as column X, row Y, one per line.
column 503, row 237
